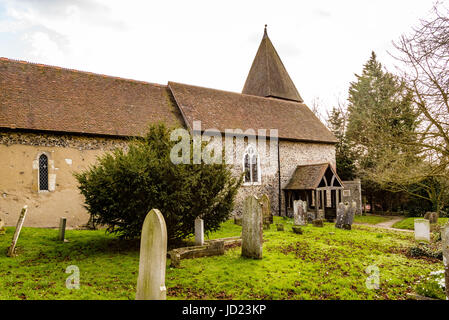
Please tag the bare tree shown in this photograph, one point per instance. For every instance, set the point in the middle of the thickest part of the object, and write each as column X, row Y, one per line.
column 424, row 58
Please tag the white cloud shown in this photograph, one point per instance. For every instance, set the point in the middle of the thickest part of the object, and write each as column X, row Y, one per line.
column 208, row 43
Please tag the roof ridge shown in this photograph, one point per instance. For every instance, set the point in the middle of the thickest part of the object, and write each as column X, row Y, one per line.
column 79, row 71
column 241, row 94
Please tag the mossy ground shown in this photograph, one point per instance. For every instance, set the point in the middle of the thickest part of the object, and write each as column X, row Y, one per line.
column 371, row 219
column 322, row 263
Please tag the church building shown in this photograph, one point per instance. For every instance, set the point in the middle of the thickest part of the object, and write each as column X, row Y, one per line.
column 56, row 121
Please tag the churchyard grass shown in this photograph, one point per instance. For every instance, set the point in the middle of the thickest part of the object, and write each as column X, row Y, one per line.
column 370, row 219
column 321, row 263
column 408, row 223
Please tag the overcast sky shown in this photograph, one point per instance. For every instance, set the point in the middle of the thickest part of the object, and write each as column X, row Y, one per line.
column 209, row 43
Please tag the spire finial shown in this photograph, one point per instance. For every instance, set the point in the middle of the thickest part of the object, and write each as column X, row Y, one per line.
column 265, row 34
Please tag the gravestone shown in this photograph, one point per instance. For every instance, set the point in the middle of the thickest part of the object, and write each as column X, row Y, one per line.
column 318, row 223
column 422, row 230
column 62, row 225
column 279, row 226
column 341, row 210
column 427, row 215
column 297, row 229
column 252, row 231
column 199, row 232
column 12, row 248
column 152, row 261
column 445, row 248
column 266, row 210
column 433, row 218
column 299, row 213
column 238, row 221
column 349, row 215
column 2, row 227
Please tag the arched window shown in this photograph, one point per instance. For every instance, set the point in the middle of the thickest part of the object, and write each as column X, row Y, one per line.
column 251, row 166
column 43, row 172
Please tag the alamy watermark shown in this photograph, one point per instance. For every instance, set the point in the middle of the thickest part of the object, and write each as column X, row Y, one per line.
column 373, row 280
column 72, row 281
column 207, row 145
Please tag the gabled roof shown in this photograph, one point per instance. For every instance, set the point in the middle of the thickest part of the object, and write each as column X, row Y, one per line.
column 308, row 177
column 40, row 97
column 229, row 110
column 268, row 76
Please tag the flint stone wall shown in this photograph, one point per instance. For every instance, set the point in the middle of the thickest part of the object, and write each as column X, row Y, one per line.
column 68, row 153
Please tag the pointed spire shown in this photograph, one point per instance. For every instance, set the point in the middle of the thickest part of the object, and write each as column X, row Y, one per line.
column 268, row 76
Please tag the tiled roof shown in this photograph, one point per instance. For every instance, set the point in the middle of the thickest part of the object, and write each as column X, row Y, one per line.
column 228, row 110
column 40, row 97
column 308, row 177
column 268, row 76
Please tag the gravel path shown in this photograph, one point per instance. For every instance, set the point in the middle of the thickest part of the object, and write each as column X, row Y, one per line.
column 387, row 224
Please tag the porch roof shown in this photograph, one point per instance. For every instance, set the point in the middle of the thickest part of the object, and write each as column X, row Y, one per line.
column 309, row 177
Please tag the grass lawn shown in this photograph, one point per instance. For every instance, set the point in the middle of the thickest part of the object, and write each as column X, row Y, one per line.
column 409, row 223
column 370, row 219
column 322, row 263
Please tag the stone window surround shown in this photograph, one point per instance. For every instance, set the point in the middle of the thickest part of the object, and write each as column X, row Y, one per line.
column 38, row 170
column 259, row 173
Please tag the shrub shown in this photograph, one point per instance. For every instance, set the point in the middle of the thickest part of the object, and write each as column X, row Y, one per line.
column 423, row 250
column 124, row 186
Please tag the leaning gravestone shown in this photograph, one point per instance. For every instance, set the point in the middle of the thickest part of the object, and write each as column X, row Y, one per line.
column 266, row 210
column 349, row 216
column 445, row 241
column 199, row 232
column 252, row 231
column 62, row 225
column 153, row 255
column 422, row 230
column 12, row 248
column 341, row 210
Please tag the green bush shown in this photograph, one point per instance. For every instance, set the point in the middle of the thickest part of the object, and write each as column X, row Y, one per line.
column 423, row 250
column 124, row 186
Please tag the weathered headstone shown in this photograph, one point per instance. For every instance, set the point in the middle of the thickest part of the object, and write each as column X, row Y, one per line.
column 153, row 255
column 279, row 226
column 62, row 225
column 297, row 229
column 252, row 231
column 427, row 215
column 199, row 232
column 445, row 248
column 318, row 223
column 349, row 216
column 12, row 248
column 422, row 230
column 433, row 218
column 341, row 210
column 2, row 227
column 299, row 213
column 266, row 210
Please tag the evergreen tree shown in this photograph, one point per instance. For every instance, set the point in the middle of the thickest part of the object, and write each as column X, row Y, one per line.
column 336, row 123
column 380, row 116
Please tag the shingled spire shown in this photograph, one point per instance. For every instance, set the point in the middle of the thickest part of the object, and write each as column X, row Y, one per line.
column 268, row 77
